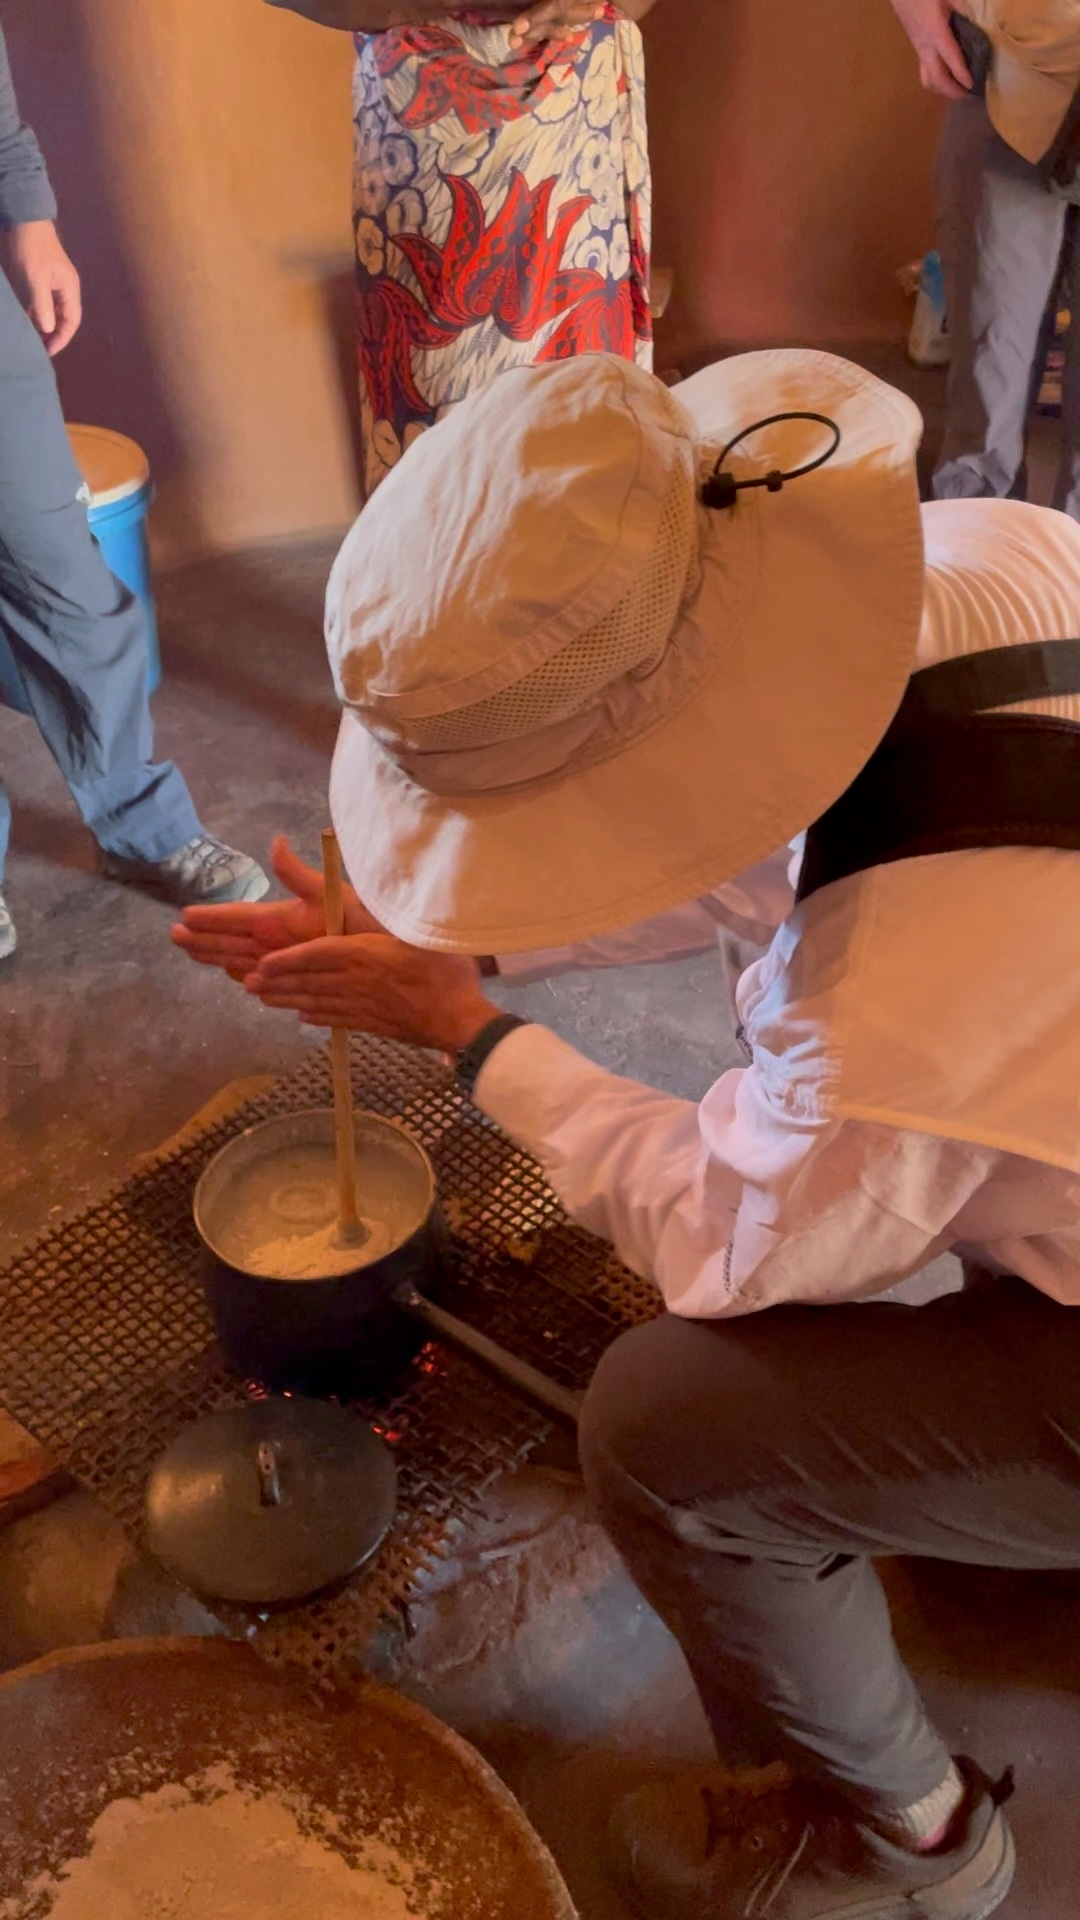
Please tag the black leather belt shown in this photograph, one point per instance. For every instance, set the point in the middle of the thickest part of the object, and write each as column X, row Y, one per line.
column 950, row 775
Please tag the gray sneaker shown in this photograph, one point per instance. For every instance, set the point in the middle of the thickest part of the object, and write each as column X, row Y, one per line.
column 205, row 873
column 727, row 1849
column 8, row 938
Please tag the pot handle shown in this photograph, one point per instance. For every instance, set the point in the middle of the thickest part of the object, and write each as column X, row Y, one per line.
column 562, row 1401
column 266, row 1465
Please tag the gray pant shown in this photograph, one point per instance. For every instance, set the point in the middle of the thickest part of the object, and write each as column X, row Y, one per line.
column 1001, row 236
column 76, row 634
column 748, row 1471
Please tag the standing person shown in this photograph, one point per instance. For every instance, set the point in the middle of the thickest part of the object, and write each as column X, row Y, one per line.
column 671, row 678
column 77, row 636
column 1006, row 198
column 502, row 199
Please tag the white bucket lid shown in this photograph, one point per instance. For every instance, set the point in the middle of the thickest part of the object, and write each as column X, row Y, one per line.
column 113, row 466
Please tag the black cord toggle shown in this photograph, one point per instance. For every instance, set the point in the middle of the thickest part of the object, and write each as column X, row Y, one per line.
column 720, row 489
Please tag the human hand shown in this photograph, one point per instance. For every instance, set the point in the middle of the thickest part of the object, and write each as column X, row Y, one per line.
column 551, row 19
column 378, row 985
column 46, row 282
column 236, row 937
column 942, row 67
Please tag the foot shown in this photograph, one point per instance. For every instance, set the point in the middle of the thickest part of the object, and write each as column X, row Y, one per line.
column 203, row 873
column 763, row 1845
column 8, row 938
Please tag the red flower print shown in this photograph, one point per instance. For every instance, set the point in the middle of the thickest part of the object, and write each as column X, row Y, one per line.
column 509, row 271
column 390, row 325
column 450, row 80
column 601, row 323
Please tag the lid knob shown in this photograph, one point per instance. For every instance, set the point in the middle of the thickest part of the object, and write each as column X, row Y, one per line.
column 269, row 1477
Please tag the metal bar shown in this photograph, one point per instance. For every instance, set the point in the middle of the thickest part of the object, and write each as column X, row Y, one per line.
column 558, row 1400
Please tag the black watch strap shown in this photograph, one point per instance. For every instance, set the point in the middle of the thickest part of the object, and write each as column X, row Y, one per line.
column 470, row 1061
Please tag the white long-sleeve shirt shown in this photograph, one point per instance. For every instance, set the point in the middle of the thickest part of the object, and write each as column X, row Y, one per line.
column 733, row 1204
column 939, row 992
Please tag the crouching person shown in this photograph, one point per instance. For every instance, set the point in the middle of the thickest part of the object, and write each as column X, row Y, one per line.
column 646, row 641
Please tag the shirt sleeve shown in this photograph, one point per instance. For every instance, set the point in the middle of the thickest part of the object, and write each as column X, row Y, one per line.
column 751, row 907
column 730, row 1206
column 25, row 193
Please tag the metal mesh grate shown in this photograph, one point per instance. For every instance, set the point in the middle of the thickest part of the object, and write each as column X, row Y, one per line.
column 108, row 1346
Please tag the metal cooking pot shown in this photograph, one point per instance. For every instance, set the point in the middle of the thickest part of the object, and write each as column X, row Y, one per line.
column 349, row 1332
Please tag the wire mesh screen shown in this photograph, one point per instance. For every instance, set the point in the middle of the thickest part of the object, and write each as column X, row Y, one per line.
column 108, row 1347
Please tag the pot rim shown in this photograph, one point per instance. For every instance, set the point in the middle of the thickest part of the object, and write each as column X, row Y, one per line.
column 277, row 1120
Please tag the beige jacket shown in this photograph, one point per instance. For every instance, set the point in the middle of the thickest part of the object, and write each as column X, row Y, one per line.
column 1036, row 68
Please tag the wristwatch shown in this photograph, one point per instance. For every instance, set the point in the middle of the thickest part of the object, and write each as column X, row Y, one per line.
column 469, row 1061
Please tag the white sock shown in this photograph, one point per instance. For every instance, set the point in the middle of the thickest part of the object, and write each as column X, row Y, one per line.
column 908, row 1826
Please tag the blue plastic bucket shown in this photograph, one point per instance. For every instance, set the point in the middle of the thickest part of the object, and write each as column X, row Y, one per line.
column 120, row 492
column 120, row 531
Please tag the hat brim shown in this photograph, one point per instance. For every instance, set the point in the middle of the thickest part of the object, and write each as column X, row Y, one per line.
column 815, row 595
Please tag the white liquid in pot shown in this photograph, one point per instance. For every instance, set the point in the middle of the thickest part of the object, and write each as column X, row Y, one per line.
column 280, row 1219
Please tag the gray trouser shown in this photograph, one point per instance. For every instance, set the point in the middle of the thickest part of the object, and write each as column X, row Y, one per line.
column 747, row 1470
column 1001, row 235
column 76, row 634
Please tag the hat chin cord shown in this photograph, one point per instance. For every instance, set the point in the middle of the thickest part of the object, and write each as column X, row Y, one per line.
column 720, row 489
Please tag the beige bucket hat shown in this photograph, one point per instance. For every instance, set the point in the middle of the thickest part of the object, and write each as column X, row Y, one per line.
column 576, row 696
column 1035, row 71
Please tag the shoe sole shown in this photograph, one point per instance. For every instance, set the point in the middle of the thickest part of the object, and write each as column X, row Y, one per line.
column 952, row 1901
column 949, row 1900
column 254, row 886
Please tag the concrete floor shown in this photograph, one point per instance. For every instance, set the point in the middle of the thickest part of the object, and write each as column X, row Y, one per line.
column 109, row 1041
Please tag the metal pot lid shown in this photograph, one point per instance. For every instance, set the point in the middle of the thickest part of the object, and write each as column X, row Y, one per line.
column 270, row 1502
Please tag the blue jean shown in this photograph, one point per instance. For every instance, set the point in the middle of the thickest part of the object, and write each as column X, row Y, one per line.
column 75, row 633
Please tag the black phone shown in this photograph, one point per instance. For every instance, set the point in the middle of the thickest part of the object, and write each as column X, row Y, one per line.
column 977, row 49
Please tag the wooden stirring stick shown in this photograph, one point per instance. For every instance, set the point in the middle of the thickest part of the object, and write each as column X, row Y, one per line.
column 351, row 1229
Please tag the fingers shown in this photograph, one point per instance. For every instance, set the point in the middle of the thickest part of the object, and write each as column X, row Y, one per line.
column 330, row 982
column 342, row 989
column 953, row 61
column 235, row 918
column 942, row 68
column 188, row 942
column 299, row 986
column 209, row 939
column 67, row 312
column 321, row 1009
column 551, row 17
column 217, row 950
column 42, row 311
column 341, row 954
column 202, row 959
column 293, row 872
column 936, row 77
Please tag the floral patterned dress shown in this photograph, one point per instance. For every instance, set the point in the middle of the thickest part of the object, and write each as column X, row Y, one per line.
column 502, row 213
